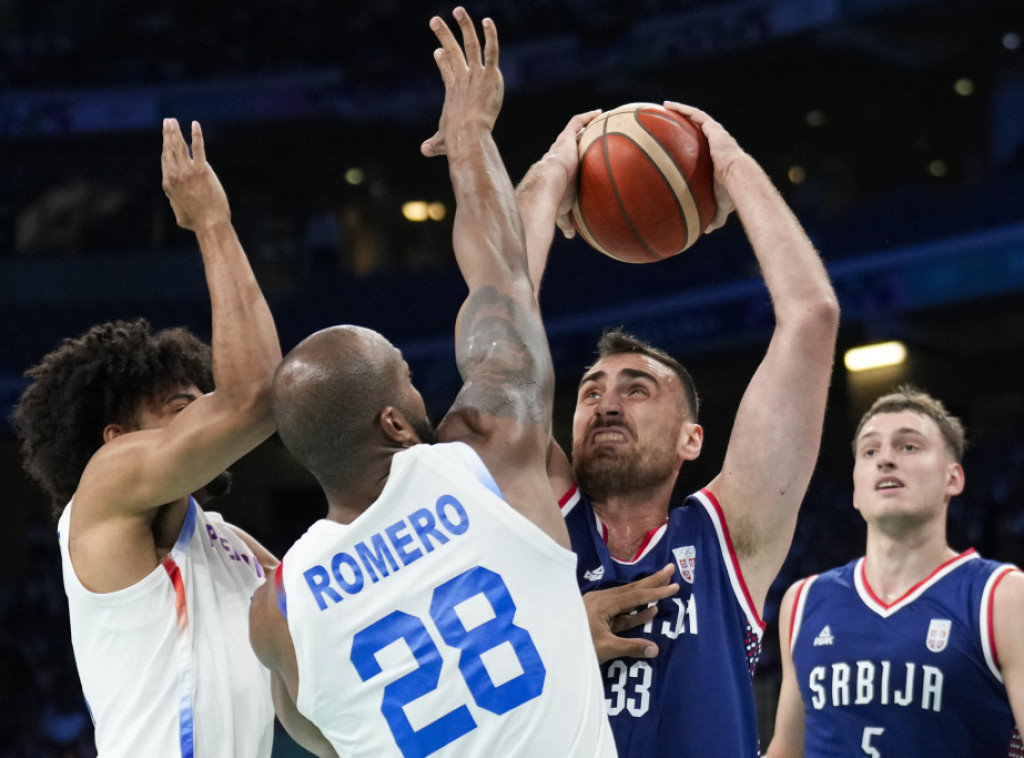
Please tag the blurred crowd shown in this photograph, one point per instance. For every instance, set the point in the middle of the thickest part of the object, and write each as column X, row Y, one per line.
column 65, row 43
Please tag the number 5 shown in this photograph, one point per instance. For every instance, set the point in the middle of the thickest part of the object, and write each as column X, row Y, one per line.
column 865, row 743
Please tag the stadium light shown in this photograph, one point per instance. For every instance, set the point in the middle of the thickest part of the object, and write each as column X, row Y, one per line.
column 878, row 355
column 415, row 210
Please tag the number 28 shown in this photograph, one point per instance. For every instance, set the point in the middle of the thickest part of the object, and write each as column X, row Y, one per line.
column 472, row 643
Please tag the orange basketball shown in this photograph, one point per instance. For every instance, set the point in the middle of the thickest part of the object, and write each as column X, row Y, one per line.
column 645, row 189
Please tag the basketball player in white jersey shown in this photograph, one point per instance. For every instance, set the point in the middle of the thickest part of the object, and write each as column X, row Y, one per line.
column 434, row 611
column 121, row 426
column 914, row 649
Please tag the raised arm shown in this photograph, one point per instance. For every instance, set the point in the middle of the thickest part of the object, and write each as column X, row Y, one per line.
column 777, row 431
column 546, row 194
column 504, row 407
column 544, row 198
column 138, row 472
column 788, row 737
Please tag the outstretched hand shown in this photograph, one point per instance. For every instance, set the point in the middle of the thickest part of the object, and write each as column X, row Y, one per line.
column 614, row 610
column 189, row 182
column 473, row 89
column 724, row 150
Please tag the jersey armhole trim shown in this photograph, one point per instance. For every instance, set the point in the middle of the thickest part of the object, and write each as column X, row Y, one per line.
column 732, row 564
column 796, row 616
column 988, row 633
column 483, row 474
column 279, row 592
column 569, row 500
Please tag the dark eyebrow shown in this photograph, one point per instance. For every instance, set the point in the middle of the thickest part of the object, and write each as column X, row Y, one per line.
column 635, row 373
column 902, row 431
column 631, row 373
column 910, row 432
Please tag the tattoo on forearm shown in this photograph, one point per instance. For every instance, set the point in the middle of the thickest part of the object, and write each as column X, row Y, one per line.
column 498, row 340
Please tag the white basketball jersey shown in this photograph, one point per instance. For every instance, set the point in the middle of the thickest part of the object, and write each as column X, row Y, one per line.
column 166, row 665
column 443, row 622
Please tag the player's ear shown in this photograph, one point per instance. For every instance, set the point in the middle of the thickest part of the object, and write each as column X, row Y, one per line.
column 396, row 427
column 955, row 482
column 691, row 438
column 110, row 431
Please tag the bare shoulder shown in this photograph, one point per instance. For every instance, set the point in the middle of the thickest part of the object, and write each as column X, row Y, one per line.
column 790, row 595
column 1008, row 598
column 787, row 603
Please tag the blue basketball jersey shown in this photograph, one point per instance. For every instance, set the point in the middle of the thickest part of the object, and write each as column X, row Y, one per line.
column 919, row 676
column 696, row 697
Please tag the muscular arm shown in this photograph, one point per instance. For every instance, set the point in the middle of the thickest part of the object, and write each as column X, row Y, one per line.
column 777, row 431
column 143, row 471
column 1008, row 628
column 504, row 407
column 544, row 198
column 137, row 471
column 788, row 738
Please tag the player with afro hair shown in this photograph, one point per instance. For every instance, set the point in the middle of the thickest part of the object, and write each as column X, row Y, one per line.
column 130, row 430
column 87, row 382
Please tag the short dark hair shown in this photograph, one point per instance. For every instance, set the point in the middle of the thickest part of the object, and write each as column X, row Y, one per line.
column 99, row 378
column 618, row 341
column 906, row 397
column 327, row 397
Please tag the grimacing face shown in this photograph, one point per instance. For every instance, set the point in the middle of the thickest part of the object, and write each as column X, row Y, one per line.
column 628, row 426
column 903, row 473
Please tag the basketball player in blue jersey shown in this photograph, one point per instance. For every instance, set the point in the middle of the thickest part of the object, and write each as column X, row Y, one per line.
column 913, row 649
column 120, row 426
column 434, row 611
column 679, row 681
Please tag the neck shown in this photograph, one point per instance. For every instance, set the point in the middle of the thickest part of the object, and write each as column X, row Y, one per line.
column 362, row 487
column 895, row 564
column 629, row 518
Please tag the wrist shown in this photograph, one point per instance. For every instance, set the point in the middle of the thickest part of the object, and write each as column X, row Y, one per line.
column 549, row 173
column 216, row 226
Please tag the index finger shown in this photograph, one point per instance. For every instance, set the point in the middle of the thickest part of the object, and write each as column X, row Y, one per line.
column 646, row 590
column 696, row 115
column 445, row 37
column 173, row 145
column 579, row 122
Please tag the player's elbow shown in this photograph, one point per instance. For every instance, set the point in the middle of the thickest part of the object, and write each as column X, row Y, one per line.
column 817, row 318
column 826, row 312
column 250, row 407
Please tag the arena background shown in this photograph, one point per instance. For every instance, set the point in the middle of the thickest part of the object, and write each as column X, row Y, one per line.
column 894, row 128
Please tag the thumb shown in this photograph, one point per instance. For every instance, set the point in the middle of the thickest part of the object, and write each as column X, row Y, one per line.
column 433, row 147
column 565, row 225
